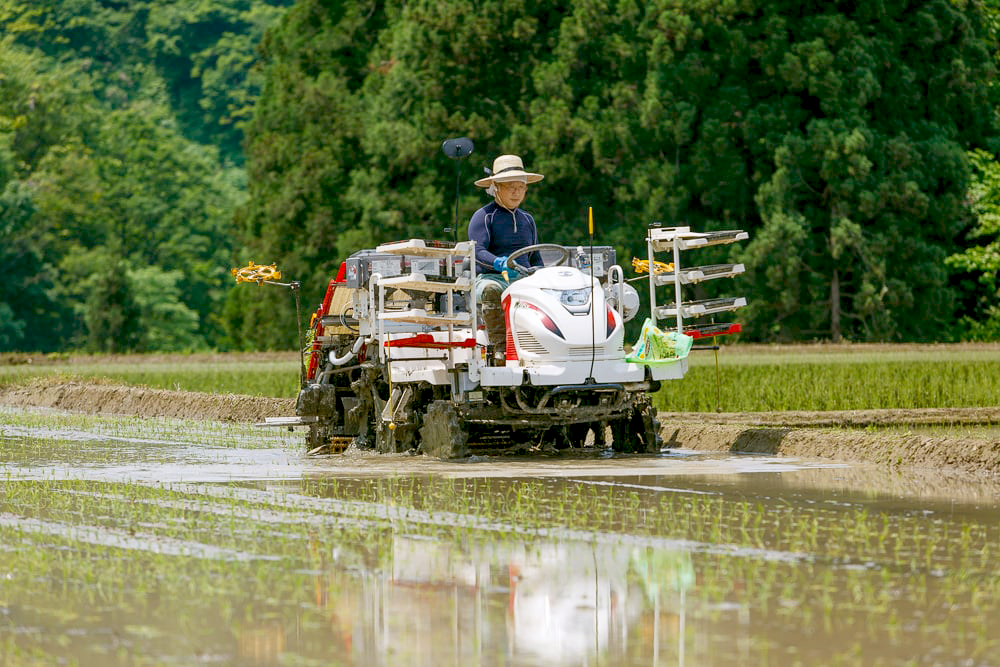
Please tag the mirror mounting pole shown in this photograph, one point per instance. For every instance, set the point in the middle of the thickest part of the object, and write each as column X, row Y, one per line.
column 457, row 149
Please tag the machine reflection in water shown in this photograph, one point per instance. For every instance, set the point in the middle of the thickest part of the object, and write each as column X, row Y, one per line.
column 545, row 603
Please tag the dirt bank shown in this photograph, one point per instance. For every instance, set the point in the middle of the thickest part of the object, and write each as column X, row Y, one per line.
column 110, row 399
column 846, row 436
column 976, row 455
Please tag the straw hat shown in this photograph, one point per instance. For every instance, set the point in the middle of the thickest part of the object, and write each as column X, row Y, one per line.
column 508, row 168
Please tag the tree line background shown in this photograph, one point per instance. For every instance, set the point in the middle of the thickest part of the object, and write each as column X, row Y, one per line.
column 147, row 146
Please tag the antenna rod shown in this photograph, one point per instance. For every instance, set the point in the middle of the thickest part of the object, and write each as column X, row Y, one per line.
column 593, row 296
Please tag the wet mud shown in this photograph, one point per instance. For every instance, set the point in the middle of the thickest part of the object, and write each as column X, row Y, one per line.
column 884, row 437
column 110, row 399
column 974, row 455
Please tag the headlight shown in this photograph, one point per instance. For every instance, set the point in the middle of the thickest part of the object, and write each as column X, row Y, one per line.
column 573, row 300
column 630, row 307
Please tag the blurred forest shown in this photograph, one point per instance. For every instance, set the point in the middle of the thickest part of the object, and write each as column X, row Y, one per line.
column 147, row 146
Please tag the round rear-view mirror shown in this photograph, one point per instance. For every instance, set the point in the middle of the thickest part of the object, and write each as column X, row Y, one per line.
column 457, row 148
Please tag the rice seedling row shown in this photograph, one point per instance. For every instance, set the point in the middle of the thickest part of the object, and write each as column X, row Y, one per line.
column 836, row 386
column 752, row 378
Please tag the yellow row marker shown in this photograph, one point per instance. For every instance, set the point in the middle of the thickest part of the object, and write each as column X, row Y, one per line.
column 256, row 273
column 642, row 266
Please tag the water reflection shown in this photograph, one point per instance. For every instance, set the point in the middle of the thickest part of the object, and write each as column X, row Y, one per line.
column 784, row 581
column 547, row 603
column 117, row 553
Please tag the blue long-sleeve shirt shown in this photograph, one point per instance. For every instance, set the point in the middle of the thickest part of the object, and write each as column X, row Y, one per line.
column 498, row 233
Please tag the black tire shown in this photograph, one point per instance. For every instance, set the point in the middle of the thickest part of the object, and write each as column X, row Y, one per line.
column 443, row 434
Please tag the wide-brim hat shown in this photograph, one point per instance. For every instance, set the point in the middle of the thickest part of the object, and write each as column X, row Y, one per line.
column 508, row 168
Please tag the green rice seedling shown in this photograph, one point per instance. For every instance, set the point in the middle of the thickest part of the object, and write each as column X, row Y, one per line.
column 847, row 385
column 46, row 427
column 753, row 377
column 849, row 353
column 238, row 376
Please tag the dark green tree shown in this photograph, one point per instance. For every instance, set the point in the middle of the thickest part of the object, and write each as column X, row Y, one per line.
column 27, row 311
column 200, row 53
column 303, row 150
column 32, row 116
column 982, row 259
column 867, row 196
column 834, row 132
column 112, row 316
column 157, row 198
column 100, row 179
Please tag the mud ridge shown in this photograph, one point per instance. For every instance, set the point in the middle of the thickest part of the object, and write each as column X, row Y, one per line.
column 844, row 436
column 845, row 418
column 109, row 399
column 892, row 449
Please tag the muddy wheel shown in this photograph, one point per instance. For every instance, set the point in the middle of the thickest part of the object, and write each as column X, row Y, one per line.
column 443, row 434
column 645, row 423
column 364, row 439
column 574, row 436
column 394, row 440
column 639, row 431
column 318, row 438
column 622, row 437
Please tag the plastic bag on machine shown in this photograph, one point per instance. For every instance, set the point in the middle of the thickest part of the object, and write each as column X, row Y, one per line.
column 656, row 346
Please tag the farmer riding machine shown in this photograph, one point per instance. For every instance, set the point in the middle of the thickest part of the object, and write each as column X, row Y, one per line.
column 399, row 358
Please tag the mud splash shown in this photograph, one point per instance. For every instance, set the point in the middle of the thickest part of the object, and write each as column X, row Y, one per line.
column 843, row 436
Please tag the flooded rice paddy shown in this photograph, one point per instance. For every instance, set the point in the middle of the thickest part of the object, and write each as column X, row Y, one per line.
column 165, row 542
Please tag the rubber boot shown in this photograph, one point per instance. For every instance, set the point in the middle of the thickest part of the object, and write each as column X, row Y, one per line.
column 493, row 318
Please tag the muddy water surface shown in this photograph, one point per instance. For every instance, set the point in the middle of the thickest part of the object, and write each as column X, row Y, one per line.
column 154, row 542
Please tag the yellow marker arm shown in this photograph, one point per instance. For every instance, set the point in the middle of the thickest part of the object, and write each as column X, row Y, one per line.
column 256, row 273
column 642, row 266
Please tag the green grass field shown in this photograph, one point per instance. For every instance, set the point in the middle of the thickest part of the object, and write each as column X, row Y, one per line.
column 749, row 377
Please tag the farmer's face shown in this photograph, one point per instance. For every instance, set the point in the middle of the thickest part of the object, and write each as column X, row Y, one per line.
column 511, row 194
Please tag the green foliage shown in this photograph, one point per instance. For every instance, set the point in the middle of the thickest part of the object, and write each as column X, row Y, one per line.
column 866, row 200
column 248, row 374
column 11, row 328
column 837, row 133
column 91, row 146
column 148, row 194
column 203, row 52
column 111, row 312
column 29, row 313
column 168, row 324
column 982, row 259
column 834, row 132
column 40, row 106
column 257, row 317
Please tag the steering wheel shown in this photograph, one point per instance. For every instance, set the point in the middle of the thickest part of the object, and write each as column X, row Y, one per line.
column 562, row 260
